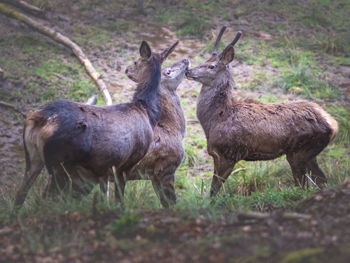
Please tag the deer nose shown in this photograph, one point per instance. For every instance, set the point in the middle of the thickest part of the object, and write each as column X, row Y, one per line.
column 126, row 71
column 186, row 61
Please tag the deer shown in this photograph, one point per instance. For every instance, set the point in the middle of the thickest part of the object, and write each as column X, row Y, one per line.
column 166, row 151
column 253, row 131
column 77, row 142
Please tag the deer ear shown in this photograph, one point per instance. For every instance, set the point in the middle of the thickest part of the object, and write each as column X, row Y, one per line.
column 227, row 55
column 168, row 51
column 145, row 50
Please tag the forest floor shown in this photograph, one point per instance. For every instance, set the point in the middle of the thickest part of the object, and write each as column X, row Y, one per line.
column 178, row 236
column 287, row 52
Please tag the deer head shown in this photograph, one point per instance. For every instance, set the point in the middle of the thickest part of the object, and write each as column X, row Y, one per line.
column 139, row 70
column 210, row 69
column 173, row 75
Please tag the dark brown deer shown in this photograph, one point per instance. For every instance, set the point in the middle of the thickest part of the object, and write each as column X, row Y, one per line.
column 78, row 142
column 166, row 151
column 253, row 131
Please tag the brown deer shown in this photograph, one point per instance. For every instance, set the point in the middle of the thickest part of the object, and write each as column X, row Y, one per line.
column 78, row 142
column 253, row 131
column 166, row 151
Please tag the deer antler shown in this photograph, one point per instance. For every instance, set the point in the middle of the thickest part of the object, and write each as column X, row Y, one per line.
column 239, row 34
column 215, row 51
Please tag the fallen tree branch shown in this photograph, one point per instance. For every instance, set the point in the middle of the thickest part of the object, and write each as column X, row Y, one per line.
column 261, row 216
column 13, row 107
column 65, row 41
column 26, row 7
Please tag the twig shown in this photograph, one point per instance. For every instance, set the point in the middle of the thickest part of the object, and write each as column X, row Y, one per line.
column 65, row 41
column 312, row 181
column 261, row 216
column 292, row 215
column 252, row 215
column 69, row 178
column 238, row 170
column 26, row 7
column 192, row 121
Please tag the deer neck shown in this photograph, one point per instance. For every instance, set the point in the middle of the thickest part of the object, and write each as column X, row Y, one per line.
column 214, row 100
column 148, row 93
column 172, row 117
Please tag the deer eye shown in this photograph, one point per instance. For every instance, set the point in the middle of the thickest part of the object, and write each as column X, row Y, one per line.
column 168, row 72
column 135, row 63
column 211, row 66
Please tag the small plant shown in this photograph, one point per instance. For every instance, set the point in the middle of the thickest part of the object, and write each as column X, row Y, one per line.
column 125, row 225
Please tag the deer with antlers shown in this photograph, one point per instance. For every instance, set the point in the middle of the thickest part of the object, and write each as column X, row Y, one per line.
column 78, row 142
column 253, row 131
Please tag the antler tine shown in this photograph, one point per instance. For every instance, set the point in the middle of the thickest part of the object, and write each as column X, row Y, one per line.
column 215, row 51
column 239, row 34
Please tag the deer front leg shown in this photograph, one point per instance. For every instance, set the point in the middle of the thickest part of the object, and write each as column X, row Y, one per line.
column 164, row 188
column 298, row 166
column 222, row 170
column 57, row 182
column 316, row 173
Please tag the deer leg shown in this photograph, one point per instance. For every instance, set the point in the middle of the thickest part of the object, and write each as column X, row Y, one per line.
column 298, row 167
column 165, row 190
column 222, row 170
column 317, row 174
column 119, row 187
column 83, row 181
column 51, row 188
column 57, row 183
column 103, row 185
column 103, row 180
column 29, row 177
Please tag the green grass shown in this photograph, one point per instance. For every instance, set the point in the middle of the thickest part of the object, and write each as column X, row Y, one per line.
column 300, row 80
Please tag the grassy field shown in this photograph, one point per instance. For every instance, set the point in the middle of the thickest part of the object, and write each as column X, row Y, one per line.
column 290, row 50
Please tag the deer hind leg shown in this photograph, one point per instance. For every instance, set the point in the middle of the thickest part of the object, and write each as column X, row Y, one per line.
column 317, row 174
column 165, row 190
column 33, row 169
column 298, row 166
column 222, row 170
column 58, row 181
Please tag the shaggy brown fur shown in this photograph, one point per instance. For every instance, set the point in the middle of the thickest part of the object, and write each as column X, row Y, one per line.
column 252, row 131
column 166, row 151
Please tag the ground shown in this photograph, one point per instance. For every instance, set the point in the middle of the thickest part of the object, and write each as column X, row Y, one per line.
column 288, row 51
column 102, row 235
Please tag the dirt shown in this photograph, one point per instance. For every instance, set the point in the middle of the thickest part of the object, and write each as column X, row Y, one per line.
column 170, row 236
column 12, row 155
